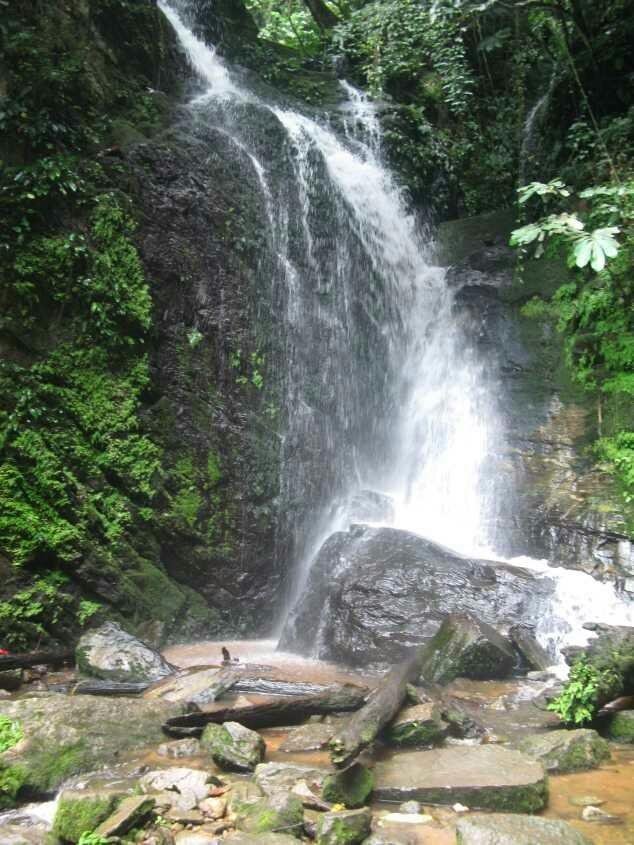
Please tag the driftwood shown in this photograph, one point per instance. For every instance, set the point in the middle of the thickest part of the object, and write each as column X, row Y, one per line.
column 35, row 658
column 279, row 711
column 97, row 687
column 222, row 681
column 382, row 706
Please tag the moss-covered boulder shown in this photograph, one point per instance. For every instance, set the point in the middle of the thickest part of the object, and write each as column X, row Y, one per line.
column 508, row 829
column 82, row 812
column 64, row 736
column 344, row 828
column 275, row 777
column 465, row 647
column 352, row 787
column 282, row 812
column 111, row 653
column 567, row 751
column 419, row 725
column 233, row 747
column 621, row 727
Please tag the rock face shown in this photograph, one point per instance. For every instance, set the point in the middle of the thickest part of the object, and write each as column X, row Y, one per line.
column 483, row 777
column 464, row 647
column 508, row 829
column 567, row 751
column 233, row 747
column 375, row 592
column 110, row 653
column 65, row 736
column 552, row 502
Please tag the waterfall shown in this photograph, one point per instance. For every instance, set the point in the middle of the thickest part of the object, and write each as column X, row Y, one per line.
column 383, row 389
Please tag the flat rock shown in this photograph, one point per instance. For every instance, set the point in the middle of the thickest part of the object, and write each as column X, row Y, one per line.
column 259, row 839
column 273, row 777
column 405, row 818
column 567, row 751
column 190, row 785
column 184, row 686
column 233, row 747
column 110, row 653
column 484, row 776
column 311, row 737
column 131, row 811
column 69, row 735
column 512, row 829
column 178, row 748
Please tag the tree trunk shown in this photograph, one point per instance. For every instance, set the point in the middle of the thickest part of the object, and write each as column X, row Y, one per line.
column 281, row 711
column 383, row 705
column 35, row 658
column 323, row 17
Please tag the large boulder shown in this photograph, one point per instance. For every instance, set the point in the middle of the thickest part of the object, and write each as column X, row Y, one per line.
column 110, row 653
column 463, row 647
column 621, row 727
column 374, row 592
column 348, row 827
column 484, row 777
column 512, row 829
column 68, row 735
column 567, row 751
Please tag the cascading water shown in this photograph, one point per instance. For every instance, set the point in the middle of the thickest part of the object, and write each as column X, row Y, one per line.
column 383, row 387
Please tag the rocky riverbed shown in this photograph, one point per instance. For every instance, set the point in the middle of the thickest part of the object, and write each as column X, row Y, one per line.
column 108, row 766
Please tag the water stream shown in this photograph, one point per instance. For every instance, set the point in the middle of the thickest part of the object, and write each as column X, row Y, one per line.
column 383, row 388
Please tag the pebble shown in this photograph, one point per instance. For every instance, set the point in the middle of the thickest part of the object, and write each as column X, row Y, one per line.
column 410, row 807
column 405, row 818
column 459, row 808
column 594, row 814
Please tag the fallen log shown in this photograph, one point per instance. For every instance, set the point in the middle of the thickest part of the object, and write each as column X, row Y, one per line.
column 387, row 699
column 35, row 658
column 97, row 687
column 272, row 686
column 278, row 711
column 221, row 682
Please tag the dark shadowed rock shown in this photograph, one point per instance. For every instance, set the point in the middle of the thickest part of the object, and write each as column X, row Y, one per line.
column 464, row 647
column 621, row 727
column 485, row 777
column 373, row 593
column 510, row 829
column 111, row 653
column 524, row 641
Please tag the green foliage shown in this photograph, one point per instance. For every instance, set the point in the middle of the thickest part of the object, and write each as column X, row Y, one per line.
column 89, row 838
column 33, row 610
column 577, row 704
column 10, row 733
column 286, row 22
column 87, row 609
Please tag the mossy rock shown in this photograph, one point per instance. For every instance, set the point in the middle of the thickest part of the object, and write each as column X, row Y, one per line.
column 352, row 788
column 281, row 812
column 567, row 751
column 81, row 812
column 345, row 828
column 417, row 726
column 68, row 735
column 621, row 727
column 233, row 747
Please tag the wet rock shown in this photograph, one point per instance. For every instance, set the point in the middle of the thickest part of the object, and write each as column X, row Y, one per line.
column 13, row 834
column 79, row 811
column 352, row 787
column 484, row 776
column 188, row 785
column 621, row 726
column 233, row 747
column 460, row 723
column 567, row 751
column 110, row 653
column 419, row 725
column 373, row 593
column 131, row 812
column 510, row 829
column 344, row 828
column 243, row 790
column 370, row 506
column 534, row 655
column 281, row 812
column 259, row 839
column 410, row 807
column 179, row 748
column 10, row 679
column 275, row 777
column 185, row 686
column 68, row 735
column 311, row 737
column 465, row 647
column 595, row 814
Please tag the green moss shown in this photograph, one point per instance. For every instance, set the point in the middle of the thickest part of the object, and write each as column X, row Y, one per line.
column 10, row 733
column 12, row 779
column 48, row 768
column 78, row 813
column 352, row 788
column 621, row 727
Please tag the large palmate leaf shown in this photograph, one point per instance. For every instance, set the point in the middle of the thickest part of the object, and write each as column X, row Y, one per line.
column 596, row 247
